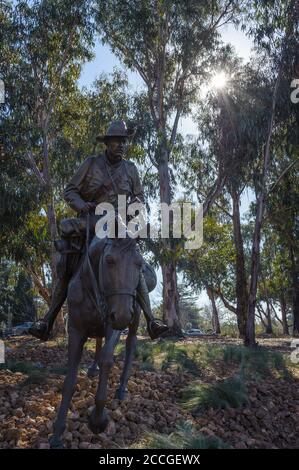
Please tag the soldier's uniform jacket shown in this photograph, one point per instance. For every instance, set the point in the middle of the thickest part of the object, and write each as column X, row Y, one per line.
column 98, row 181
column 93, row 183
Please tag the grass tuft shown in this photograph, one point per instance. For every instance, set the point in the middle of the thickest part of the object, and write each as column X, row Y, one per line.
column 228, row 393
column 185, row 437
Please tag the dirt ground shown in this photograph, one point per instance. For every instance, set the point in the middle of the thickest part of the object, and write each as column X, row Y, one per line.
column 29, row 401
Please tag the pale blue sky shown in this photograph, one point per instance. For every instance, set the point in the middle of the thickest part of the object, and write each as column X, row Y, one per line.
column 105, row 60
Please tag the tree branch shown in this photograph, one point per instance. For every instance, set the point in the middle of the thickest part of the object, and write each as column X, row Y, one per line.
column 42, row 290
column 34, row 167
column 229, row 306
column 214, row 193
column 282, row 175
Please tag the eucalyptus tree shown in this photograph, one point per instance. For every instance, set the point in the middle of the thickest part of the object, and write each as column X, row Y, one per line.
column 211, row 267
column 233, row 134
column 232, row 126
column 79, row 115
column 282, row 216
column 44, row 44
column 170, row 44
column 274, row 27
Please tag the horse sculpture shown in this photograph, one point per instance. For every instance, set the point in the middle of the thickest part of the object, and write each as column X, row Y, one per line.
column 101, row 303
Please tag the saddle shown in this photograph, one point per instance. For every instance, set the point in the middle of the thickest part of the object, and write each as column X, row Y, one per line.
column 73, row 233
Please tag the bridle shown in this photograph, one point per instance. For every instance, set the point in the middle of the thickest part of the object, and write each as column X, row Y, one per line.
column 111, row 292
column 98, row 294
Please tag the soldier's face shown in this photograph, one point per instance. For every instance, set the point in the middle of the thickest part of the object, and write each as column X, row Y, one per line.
column 116, row 148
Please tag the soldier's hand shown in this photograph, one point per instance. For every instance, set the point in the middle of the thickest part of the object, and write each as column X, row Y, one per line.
column 88, row 207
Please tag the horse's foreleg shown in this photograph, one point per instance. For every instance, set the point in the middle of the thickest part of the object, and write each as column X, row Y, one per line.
column 75, row 347
column 94, row 369
column 131, row 343
column 98, row 419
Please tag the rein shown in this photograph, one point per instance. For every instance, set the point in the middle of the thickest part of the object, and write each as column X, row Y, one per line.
column 96, row 294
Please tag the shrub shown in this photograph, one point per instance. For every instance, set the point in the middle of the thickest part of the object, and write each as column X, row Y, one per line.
column 258, row 362
column 185, row 437
column 226, row 393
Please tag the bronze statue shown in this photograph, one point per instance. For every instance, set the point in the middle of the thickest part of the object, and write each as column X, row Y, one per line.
column 111, row 306
column 99, row 179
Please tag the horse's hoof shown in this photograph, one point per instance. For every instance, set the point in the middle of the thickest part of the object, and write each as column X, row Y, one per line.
column 56, row 443
column 121, row 393
column 97, row 425
column 93, row 371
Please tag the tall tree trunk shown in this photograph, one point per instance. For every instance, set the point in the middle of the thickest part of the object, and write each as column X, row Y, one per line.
column 50, row 201
column 295, row 291
column 260, row 315
column 171, row 314
column 53, row 236
column 171, row 298
column 215, row 316
column 283, row 308
column 59, row 322
column 241, row 281
column 255, row 252
column 269, row 328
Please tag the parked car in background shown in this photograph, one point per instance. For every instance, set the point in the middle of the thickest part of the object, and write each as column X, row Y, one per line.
column 7, row 332
column 194, row 332
column 22, row 329
column 199, row 332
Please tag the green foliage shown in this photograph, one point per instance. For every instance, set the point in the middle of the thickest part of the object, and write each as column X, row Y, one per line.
column 18, row 366
column 256, row 363
column 49, row 125
column 213, row 262
column 198, row 357
column 166, row 356
column 189, row 311
column 226, row 393
column 185, row 437
column 59, row 370
column 16, row 297
column 35, row 375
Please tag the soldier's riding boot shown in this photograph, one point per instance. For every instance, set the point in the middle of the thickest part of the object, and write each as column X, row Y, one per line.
column 42, row 328
column 155, row 327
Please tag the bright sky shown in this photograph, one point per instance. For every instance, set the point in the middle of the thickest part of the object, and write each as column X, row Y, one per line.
column 106, row 61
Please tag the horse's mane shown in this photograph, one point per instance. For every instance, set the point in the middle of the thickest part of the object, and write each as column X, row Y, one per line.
column 123, row 244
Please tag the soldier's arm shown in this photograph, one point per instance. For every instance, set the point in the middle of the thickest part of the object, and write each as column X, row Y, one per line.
column 72, row 192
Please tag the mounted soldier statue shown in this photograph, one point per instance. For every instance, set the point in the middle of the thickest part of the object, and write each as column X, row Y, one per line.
column 105, row 281
column 99, row 179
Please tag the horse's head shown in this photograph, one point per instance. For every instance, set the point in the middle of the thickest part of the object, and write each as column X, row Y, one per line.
column 120, row 270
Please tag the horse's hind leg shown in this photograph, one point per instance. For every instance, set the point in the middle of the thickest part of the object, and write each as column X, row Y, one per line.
column 94, row 370
column 75, row 347
column 130, row 351
column 98, row 419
